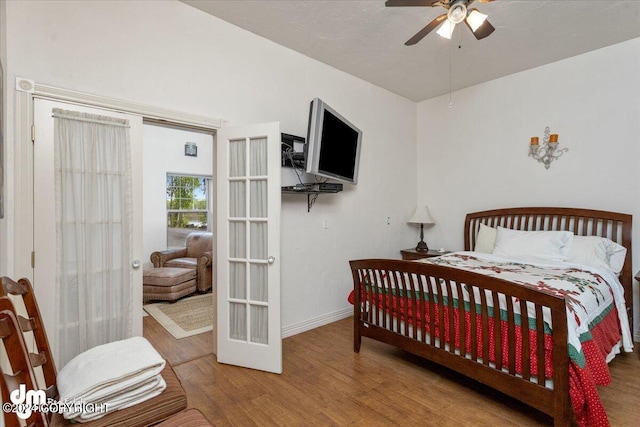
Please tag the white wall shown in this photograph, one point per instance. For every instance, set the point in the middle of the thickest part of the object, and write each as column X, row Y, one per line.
column 473, row 156
column 169, row 55
column 163, row 153
column 3, row 119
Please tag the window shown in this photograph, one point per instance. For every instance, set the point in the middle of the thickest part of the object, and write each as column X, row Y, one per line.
column 187, row 207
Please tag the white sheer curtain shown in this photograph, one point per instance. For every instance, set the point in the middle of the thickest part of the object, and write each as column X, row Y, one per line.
column 248, row 309
column 93, row 232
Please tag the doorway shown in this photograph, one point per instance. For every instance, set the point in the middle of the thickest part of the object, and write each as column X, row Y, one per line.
column 253, row 175
column 178, row 190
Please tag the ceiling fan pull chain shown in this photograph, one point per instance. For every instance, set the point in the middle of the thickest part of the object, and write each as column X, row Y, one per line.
column 450, row 72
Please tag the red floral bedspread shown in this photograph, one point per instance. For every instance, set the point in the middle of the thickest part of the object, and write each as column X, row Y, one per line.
column 588, row 366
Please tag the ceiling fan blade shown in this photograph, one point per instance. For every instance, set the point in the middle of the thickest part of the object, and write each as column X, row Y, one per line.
column 483, row 30
column 426, row 30
column 402, row 3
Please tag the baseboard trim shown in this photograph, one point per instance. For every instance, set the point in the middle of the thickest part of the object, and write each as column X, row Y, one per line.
column 307, row 325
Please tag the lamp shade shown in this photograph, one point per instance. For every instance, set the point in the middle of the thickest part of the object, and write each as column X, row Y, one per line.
column 446, row 29
column 421, row 216
column 476, row 19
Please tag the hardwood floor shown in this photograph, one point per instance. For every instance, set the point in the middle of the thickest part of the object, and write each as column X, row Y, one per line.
column 325, row 383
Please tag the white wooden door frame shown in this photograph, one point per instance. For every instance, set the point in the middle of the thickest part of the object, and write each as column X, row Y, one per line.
column 19, row 215
column 19, row 184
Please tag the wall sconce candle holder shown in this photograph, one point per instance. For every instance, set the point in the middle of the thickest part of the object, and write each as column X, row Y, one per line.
column 548, row 151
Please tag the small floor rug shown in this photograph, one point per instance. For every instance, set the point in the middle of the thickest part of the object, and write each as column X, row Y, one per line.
column 186, row 317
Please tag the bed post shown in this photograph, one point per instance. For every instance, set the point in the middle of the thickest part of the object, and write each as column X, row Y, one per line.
column 562, row 409
column 357, row 338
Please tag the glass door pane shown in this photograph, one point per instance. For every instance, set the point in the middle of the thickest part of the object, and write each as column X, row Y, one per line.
column 249, row 311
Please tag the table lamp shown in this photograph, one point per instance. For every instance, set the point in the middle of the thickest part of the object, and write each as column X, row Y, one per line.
column 421, row 216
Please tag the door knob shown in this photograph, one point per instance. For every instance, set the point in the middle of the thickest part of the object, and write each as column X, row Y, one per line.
column 135, row 263
column 271, row 259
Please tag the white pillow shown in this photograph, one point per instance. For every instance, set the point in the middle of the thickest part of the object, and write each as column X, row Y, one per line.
column 617, row 255
column 598, row 252
column 532, row 246
column 486, row 239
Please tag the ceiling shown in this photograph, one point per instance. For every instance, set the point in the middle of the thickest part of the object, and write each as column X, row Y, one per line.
column 366, row 39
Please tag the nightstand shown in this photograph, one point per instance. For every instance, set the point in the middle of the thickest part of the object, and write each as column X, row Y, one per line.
column 412, row 254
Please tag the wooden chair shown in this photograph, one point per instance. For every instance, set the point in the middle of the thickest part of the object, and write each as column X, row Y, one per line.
column 171, row 401
column 18, row 360
column 33, row 323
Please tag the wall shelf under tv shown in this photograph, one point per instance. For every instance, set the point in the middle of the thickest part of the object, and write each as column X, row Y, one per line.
column 312, row 193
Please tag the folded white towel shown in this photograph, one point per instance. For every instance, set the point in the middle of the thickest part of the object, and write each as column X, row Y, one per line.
column 145, row 391
column 104, row 372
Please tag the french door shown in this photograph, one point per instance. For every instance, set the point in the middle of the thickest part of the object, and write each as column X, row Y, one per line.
column 248, row 247
column 96, row 309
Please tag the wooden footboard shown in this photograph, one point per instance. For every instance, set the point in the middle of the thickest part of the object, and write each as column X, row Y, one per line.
column 447, row 315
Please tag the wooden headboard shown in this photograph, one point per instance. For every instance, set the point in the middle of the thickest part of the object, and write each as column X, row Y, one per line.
column 582, row 222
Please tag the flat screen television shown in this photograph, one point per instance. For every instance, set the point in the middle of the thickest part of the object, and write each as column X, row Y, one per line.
column 333, row 144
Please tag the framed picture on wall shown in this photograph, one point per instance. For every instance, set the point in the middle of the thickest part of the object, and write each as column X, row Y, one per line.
column 191, row 149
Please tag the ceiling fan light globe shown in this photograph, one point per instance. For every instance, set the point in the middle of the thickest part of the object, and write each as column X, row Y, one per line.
column 476, row 19
column 446, row 29
column 457, row 13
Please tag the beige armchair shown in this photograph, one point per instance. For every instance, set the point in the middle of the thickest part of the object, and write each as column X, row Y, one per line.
column 197, row 255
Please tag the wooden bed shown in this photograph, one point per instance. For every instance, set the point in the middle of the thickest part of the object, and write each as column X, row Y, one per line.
column 420, row 284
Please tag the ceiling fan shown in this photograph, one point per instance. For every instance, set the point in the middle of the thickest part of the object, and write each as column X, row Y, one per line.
column 458, row 11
